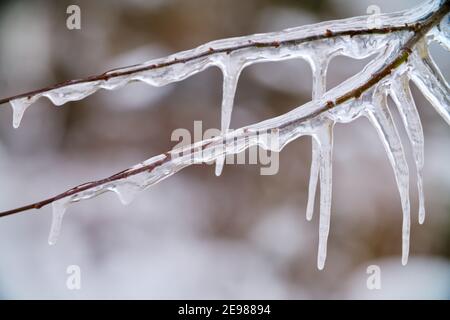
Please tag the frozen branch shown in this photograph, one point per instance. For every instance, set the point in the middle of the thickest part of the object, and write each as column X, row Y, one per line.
column 400, row 45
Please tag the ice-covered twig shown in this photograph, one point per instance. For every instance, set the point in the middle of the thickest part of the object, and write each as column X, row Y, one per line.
column 400, row 55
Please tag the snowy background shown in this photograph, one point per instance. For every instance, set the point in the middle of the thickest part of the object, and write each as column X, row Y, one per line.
column 194, row 235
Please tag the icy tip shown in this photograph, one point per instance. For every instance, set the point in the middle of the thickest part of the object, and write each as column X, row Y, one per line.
column 18, row 107
column 309, row 214
column 404, row 261
column 421, row 216
column 320, row 265
column 16, row 125
column 219, row 167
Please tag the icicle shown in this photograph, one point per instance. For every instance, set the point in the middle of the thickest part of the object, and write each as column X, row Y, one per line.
column 19, row 106
column 314, row 176
column 430, row 81
column 326, row 150
column 401, row 94
column 59, row 208
column 381, row 118
column 231, row 70
column 319, row 66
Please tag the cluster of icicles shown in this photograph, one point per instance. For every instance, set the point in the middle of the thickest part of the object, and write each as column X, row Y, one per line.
column 419, row 68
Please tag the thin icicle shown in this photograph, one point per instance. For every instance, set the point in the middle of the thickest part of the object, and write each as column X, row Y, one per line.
column 430, row 81
column 319, row 66
column 314, row 177
column 381, row 118
column 59, row 208
column 231, row 70
column 326, row 154
column 401, row 94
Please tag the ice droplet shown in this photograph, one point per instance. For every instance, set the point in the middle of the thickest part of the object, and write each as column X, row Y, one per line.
column 59, row 208
column 441, row 32
column 19, row 106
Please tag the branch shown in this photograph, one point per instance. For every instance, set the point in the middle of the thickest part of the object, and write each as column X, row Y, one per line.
column 131, row 70
column 240, row 139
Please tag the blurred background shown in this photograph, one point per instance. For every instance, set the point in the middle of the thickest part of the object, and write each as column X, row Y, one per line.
column 195, row 235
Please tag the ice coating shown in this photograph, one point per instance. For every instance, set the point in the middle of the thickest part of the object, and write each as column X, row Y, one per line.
column 309, row 119
column 430, row 81
column 441, row 32
column 287, row 128
column 179, row 66
column 126, row 192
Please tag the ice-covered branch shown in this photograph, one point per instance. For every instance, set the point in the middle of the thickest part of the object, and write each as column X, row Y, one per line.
column 400, row 46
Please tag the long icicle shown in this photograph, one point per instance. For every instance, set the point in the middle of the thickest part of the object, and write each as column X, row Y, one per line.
column 231, row 71
column 401, row 94
column 381, row 118
column 319, row 71
column 326, row 154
